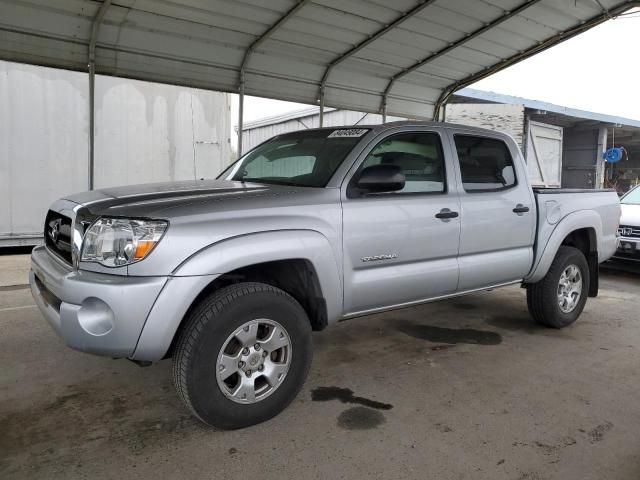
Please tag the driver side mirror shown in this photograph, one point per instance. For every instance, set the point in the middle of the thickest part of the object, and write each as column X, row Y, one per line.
column 380, row 179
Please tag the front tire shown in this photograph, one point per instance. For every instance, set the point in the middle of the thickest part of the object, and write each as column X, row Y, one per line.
column 243, row 355
column 558, row 299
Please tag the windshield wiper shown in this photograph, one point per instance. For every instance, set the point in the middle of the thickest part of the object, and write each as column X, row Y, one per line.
column 270, row 182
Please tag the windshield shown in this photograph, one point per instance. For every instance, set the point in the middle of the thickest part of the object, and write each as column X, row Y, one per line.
column 307, row 158
column 632, row 197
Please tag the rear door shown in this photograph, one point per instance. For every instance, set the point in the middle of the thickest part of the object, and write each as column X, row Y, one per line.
column 497, row 210
column 396, row 249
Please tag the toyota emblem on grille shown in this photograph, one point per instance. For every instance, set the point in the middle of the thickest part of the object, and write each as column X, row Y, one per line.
column 54, row 231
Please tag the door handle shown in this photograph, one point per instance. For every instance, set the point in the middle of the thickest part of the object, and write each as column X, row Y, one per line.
column 446, row 214
column 520, row 209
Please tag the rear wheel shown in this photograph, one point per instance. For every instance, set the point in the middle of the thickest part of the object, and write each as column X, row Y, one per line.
column 559, row 298
column 243, row 355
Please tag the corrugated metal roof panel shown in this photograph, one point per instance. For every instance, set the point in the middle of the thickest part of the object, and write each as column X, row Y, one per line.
column 413, row 53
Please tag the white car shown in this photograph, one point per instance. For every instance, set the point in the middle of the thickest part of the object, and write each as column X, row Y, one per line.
column 629, row 231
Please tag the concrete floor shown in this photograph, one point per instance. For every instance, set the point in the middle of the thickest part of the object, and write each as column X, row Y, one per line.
column 14, row 270
column 462, row 389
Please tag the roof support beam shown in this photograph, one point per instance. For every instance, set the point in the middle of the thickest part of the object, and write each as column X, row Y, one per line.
column 550, row 42
column 95, row 27
column 247, row 55
column 452, row 46
column 372, row 38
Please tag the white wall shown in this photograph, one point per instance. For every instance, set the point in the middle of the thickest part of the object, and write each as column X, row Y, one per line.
column 43, row 142
column 145, row 132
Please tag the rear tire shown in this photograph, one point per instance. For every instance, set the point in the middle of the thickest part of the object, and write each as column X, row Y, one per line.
column 243, row 355
column 558, row 299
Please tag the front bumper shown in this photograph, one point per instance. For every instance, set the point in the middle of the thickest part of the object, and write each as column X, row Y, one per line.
column 628, row 248
column 92, row 312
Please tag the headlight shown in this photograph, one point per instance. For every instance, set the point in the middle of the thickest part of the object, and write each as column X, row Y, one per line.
column 114, row 242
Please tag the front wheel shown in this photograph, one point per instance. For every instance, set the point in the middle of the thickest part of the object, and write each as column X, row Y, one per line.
column 243, row 355
column 559, row 298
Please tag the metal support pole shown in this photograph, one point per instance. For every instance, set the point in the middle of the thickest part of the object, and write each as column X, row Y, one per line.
column 240, row 113
column 600, row 164
column 92, row 114
column 321, row 105
column 384, row 108
column 95, row 26
column 439, row 112
column 442, row 101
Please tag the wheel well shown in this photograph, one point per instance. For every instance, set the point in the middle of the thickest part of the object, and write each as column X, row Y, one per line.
column 584, row 239
column 297, row 277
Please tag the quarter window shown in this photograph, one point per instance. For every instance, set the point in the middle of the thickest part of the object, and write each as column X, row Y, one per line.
column 485, row 163
column 420, row 157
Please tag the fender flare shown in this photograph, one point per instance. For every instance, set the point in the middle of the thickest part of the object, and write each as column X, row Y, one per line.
column 240, row 251
column 572, row 222
column 193, row 275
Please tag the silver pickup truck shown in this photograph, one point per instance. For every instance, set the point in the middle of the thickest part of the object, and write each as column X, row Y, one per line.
column 230, row 276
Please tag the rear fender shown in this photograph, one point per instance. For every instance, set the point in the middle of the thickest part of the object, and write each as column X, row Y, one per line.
column 547, row 252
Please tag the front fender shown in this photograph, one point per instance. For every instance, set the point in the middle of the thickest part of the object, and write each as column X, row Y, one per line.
column 198, row 271
column 236, row 252
column 555, row 234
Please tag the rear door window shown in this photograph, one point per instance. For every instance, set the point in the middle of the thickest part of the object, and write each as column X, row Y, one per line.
column 485, row 163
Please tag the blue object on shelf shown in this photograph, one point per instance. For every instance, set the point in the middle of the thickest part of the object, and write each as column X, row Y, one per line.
column 613, row 155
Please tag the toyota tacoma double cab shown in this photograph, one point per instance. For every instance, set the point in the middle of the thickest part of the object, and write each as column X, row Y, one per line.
column 229, row 277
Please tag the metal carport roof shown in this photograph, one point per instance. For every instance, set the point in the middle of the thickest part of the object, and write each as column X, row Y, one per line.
column 404, row 57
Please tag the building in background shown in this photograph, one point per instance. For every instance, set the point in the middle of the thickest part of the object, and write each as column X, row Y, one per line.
column 145, row 132
column 563, row 146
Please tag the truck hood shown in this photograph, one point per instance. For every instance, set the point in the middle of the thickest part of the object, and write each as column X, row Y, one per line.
column 630, row 214
column 175, row 198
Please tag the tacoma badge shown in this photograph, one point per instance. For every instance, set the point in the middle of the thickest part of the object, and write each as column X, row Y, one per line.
column 375, row 258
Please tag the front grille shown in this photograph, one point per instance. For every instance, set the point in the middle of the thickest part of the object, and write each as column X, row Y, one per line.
column 628, row 231
column 57, row 235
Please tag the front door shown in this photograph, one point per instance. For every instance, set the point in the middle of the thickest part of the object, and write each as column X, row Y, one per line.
column 402, row 247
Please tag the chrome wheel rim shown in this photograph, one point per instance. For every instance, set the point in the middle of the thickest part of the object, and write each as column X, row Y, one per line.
column 569, row 289
column 253, row 361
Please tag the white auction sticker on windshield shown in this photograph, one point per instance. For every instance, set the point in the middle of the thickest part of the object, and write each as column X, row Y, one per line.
column 348, row 132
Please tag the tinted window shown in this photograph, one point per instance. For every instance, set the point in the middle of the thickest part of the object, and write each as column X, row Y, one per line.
column 306, row 158
column 420, row 157
column 485, row 163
